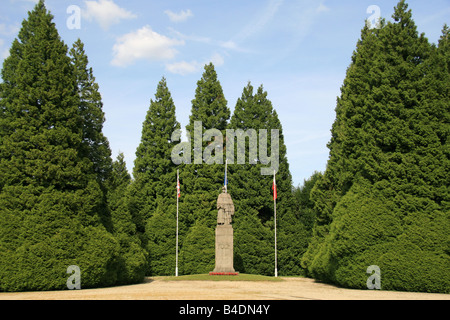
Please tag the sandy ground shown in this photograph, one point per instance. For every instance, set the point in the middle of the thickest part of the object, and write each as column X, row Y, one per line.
column 289, row 289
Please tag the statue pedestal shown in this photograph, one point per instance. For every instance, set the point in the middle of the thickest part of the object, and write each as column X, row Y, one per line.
column 224, row 249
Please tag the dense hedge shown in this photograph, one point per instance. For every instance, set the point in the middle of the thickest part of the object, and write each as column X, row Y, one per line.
column 385, row 198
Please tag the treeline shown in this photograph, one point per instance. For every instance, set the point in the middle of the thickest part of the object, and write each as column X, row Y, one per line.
column 60, row 192
column 383, row 199
column 64, row 201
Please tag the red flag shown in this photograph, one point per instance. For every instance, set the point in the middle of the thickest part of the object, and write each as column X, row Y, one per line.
column 274, row 188
column 178, row 187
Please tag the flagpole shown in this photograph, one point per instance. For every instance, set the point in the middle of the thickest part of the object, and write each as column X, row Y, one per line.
column 275, row 222
column 226, row 179
column 176, row 257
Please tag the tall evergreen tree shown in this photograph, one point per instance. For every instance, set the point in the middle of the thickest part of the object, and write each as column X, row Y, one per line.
column 202, row 179
column 382, row 193
column 154, row 172
column 95, row 144
column 302, row 195
column 133, row 257
column 160, row 235
column 251, row 190
column 50, row 198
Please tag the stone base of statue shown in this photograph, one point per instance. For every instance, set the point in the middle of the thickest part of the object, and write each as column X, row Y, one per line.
column 224, row 250
column 224, row 235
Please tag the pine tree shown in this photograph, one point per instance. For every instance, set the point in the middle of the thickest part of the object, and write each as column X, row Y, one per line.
column 197, row 250
column 201, row 180
column 95, row 144
column 251, row 190
column 161, row 239
column 253, row 246
column 49, row 194
column 133, row 258
column 381, row 195
column 154, row 172
column 302, row 195
column 202, row 177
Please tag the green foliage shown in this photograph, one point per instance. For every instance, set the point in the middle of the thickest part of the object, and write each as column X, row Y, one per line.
column 383, row 199
column 154, row 172
column 252, row 194
column 197, row 250
column 209, row 105
column 95, row 145
column 161, row 240
column 253, row 246
column 44, row 231
column 152, row 193
column 370, row 227
column 133, row 260
column 202, row 182
column 304, row 202
column 55, row 166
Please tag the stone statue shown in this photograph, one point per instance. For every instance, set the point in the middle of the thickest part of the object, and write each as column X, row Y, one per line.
column 224, row 235
column 225, row 208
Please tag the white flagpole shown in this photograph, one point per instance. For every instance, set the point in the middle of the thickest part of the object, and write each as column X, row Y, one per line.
column 275, row 222
column 176, row 257
column 226, row 179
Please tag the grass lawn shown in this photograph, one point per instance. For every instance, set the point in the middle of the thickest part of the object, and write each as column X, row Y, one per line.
column 207, row 277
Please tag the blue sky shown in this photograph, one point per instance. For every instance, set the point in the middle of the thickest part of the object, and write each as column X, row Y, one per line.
column 298, row 50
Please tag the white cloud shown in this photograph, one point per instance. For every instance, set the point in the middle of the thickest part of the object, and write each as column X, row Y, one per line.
column 105, row 13
column 143, row 44
column 179, row 17
column 183, row 68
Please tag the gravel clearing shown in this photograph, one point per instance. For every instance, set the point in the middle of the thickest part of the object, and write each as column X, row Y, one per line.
column 289, row 289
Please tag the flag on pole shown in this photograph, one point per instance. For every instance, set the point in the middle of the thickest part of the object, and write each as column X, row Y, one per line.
column 178, row 186
column 274, row 187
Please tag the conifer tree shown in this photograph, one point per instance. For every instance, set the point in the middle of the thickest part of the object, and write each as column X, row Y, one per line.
column 96, row 145
column 133, row 259
column 160, row 235
column 49, row 194
column 202, row 178
column 154, row 172
column 203, row 181
column 382, row 193
column 251, row 190
column 197, row 250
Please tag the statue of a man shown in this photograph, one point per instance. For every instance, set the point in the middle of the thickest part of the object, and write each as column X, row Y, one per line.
column 226, row 208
